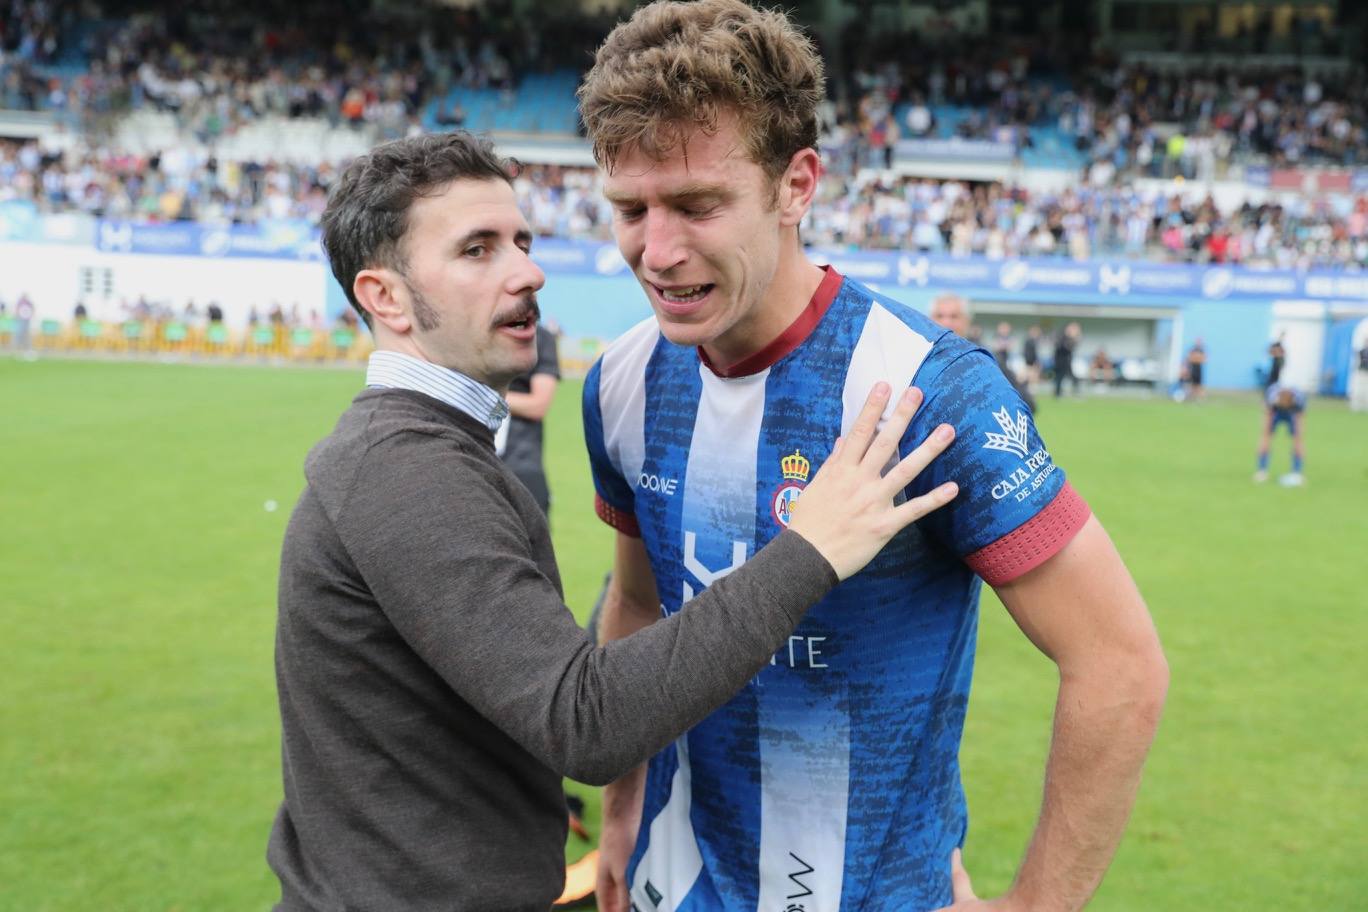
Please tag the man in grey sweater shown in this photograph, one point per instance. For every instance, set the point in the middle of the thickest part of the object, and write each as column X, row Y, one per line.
column 433, row 686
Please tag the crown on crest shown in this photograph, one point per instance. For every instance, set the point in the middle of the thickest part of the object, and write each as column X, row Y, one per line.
column 795, row 466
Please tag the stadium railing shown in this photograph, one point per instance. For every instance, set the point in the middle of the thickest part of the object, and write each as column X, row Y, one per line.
column 215, row 341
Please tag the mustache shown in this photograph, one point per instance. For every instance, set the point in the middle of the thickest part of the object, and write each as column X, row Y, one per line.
column 526, row 309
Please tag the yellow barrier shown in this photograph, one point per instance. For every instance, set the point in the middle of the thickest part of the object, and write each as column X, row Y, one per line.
column 264, row 341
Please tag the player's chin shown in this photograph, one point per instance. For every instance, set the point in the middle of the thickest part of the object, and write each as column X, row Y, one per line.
column 686, row 336
column 691, row 330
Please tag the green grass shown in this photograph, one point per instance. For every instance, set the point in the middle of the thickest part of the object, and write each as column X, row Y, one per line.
column 139, row 765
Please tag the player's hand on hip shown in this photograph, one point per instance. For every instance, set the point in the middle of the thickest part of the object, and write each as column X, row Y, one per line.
column 962, row 891
column 621, row 821
column 616, row 841
column 848, row 512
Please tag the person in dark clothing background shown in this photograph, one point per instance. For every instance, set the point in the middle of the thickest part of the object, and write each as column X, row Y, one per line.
column 520, row 440
column 1195, row 365
column 1030, row 353
column 1277, row 357
column 1066, row 343
column 1002, row 348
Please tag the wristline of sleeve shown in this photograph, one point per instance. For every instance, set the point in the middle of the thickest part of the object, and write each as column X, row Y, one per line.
column 801, row 575
column 624, row 522
column 794, row 573
column 1034, row 542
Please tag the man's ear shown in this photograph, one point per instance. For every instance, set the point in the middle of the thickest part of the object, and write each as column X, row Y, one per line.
column 384, row 295
column 798, row 185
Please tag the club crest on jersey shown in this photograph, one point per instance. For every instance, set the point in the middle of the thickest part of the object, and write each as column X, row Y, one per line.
column 795, row 468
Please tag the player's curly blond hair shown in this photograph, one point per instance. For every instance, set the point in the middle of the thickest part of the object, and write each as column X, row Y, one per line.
column 675, row 66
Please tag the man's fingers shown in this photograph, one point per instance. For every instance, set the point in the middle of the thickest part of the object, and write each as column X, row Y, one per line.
column 917, row 507
column 856, row 442
column 959, row 879
column 902, row 474
column 886, row 443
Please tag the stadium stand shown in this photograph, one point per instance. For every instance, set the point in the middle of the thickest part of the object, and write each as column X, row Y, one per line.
column 938, row 139
column 874, row 209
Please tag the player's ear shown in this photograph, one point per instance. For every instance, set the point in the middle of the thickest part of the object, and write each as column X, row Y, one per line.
column 798, row 185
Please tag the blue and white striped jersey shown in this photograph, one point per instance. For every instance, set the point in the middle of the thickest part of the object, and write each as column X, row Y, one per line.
column 1285, row 399
column 831, row 782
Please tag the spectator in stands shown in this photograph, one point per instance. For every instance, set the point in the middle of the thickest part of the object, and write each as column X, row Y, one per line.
column 920, row 121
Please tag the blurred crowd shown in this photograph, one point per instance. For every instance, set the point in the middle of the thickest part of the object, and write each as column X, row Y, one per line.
column 217, row 68
column 1125, row 118
column 178, row 184
column 880, row 212
column 1080, row 222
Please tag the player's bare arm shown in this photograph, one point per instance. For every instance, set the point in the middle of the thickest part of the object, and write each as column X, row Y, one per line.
column 629, row 604
column 1082, row 609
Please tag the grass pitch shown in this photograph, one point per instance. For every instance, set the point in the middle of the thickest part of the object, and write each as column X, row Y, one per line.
column 139, row 763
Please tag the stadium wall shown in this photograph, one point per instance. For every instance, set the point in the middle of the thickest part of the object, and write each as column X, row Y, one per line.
column 1141, row 310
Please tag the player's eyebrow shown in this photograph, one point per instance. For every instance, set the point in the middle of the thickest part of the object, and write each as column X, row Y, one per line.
column 687, row 194
column 485, row 235
column 698, row 193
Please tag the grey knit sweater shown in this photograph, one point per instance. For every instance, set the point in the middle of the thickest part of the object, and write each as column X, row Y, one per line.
column 434, row 688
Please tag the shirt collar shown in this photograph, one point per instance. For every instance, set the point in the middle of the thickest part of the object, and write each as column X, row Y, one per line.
column 788, row 340
column 395, row 370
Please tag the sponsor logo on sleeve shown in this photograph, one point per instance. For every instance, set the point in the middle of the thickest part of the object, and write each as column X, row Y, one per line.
column 1015, row 436
column 1036, row 465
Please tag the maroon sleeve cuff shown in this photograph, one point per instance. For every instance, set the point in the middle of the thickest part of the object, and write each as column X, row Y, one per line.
column 621, row 520
column 1032, row 543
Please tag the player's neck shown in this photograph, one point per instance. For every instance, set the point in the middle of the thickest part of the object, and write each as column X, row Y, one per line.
column 796, row 280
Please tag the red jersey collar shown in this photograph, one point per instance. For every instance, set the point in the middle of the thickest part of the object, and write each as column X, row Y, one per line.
column 789, row 339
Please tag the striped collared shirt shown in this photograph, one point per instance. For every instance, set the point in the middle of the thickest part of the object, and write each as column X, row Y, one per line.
column 393, row 370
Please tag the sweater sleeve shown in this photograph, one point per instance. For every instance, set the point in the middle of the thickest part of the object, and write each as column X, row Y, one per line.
column 448, row 560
